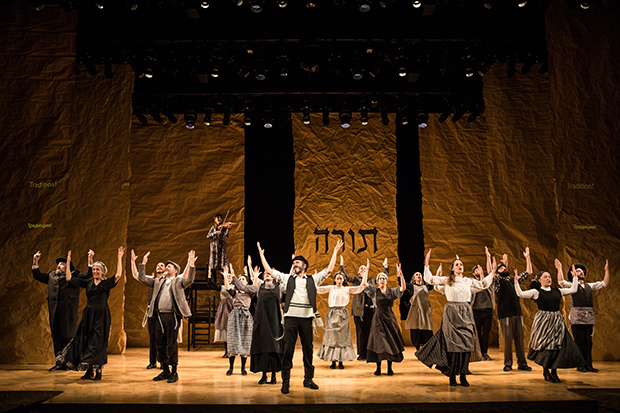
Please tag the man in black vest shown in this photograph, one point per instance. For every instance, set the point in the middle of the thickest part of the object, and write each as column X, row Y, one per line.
column 509, row 311
column 299, row 312
column 582, row 311
column 63, row 300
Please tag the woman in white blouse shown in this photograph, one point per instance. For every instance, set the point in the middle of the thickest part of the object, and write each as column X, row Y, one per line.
column 551, row 345
column 451, row 347
column 337, row 345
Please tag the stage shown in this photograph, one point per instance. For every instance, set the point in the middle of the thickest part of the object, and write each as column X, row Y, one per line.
column 128, row 387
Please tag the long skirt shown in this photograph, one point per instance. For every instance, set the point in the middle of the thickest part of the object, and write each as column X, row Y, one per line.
column 239, row 331
column 337, row 344
column 385, row 341
column 551, row 345
column 89, row 346
column 451, row 347
column 221, row 320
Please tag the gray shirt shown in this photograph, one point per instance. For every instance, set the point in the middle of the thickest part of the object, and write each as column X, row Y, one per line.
column 166, row 304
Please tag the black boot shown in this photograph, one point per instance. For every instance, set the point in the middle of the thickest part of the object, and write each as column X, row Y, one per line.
column 164, row 375
column 547, row 375
column 263, row 379
column 554, row 376
column 231, row 361
column 308, row 375
column 273, row 378
column 378, row 371
column 340, row 365
column 243, row 372
column 97, row 373
column 453, row 381
column 390, row 371
column 463, row 380
column 286, row 377
column 89, row 375
column 174, row 377
column 333, row 366
column 285, row 387
column 225, row 351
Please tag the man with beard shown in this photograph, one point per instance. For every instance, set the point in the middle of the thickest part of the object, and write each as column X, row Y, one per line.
column 582, row 312
column 63, row 300
column 168, row 306
column 509, row 310
column 299, row 312
column 150, row 321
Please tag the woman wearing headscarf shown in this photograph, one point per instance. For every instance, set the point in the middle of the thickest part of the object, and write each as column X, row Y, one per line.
column 451, row 347
column 385, row 341
column 240, row 322
column 551, row 345
column 89, row 348
column 337, row 345
column 420, row 318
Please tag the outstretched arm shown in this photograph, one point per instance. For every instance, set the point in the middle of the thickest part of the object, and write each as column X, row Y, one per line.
column 332, row 262
column 261, row 252
column 606, row 279
column 403, row 283
column 191, row 260
column 68, row 267
column 528, row 260
column 489, row 266
column 558, row 266
column 533, row 294
column 134, row 267
column 119, row 265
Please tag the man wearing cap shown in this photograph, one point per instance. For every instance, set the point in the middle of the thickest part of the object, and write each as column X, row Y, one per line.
column 299, row 312
column 169, row 306
column 582, row 310
column 63, row 300
column 509, row 311
column 151, row 322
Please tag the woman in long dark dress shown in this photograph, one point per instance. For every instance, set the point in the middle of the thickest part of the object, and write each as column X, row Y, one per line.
column 551, row 345
column 385, row 341
column 89, row 348
column 266, row 348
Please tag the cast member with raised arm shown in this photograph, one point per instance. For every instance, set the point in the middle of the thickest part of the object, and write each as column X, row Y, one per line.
column 420, row 317
column 240, row 322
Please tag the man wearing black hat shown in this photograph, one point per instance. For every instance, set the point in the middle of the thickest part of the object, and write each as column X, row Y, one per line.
column 63, row 300
column 169, row 306
column 299, row 312
column 582, row 310
column 509, row 310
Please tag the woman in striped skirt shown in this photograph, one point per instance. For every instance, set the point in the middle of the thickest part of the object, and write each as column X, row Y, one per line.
column 240, row 323
column 451, row 347
column 551, row 345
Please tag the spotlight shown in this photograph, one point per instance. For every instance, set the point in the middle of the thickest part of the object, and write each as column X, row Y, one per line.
column 247, row 120
column 402, row 71
column 358, row 73
column 100, row 4
column 282, row 3
column 283, row 72
column 422, row 120
column 133, row 5
column 190, row 120
column 364, row 6
column 469, row 72
column 364, row 116
column 260, row 75
column 306, row 114
column 584, row 5
column 205, row 4
column 345, row 119
column 214, row 72
column 207, row 118
column 488, row 4
column 310, row 4
column 384, row 117
column 256, row 6
column 521, row 3
column 226, row 118
column 417, row 3
column 325, row 116
column 268, row 123
column 148, row 74
column 39, row 6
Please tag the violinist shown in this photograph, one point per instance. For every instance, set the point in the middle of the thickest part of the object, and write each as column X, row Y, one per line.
column 218, row 256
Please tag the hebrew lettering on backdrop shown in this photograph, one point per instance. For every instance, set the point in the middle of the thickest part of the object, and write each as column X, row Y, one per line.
column 362, row 232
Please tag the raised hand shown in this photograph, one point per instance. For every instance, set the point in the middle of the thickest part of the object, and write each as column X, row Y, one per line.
column 505, row 259
column 516, row 277
column 121, row 251
column 341, row 261
column 36, row 257
column 91, row 254
column 558, row 264
column 427, row 258
column 191, row 258
column 260, row 250
column 526, row 253
column 232, row 270
column 486, row 251
column 494, row 263
column 339, row 245
column 457, row 257
column 385, row 262
column 439, row 270
column 133, row 256
column 606, row 265
column 145, row 259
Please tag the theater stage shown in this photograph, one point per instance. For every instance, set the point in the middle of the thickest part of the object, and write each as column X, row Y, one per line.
column 127, row 387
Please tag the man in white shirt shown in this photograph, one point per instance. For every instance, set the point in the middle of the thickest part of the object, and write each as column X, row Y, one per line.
column 582, row 309
column 299, row 312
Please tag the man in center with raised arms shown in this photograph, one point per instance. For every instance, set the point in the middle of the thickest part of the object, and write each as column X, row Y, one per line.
column 299, row 311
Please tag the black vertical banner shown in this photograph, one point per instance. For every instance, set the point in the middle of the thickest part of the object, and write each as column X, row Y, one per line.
column 409, row 205
column 269, row 193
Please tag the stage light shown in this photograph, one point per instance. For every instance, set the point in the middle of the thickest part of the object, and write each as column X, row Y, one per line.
column 283, row 72
column 207, row 118
column 214, row 72
column 442, row 118
column 417, row 3
column 100, row 4
column 422, row 120
column 345, row 119
column 205, row 4
column 247, row 120
column 190, row 120
column 584, row 5
column 256, row 6
column 39, row 6
column 385, row 3
column 260, row 74
column 282, row 3
column 402, row 71
column 358, row 73
column 310, row 4
column 469, row 72
column 268, row 123
column 325, row 116
column 132, row 4
column 364, row 6
column 306, row 115
column 404, row 120
column 384, row 117
column 521, row 3
column 226, row 118
column 488, row 4
column 364, row 116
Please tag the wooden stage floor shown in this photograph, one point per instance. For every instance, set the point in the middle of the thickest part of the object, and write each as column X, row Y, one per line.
column 128, row 386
